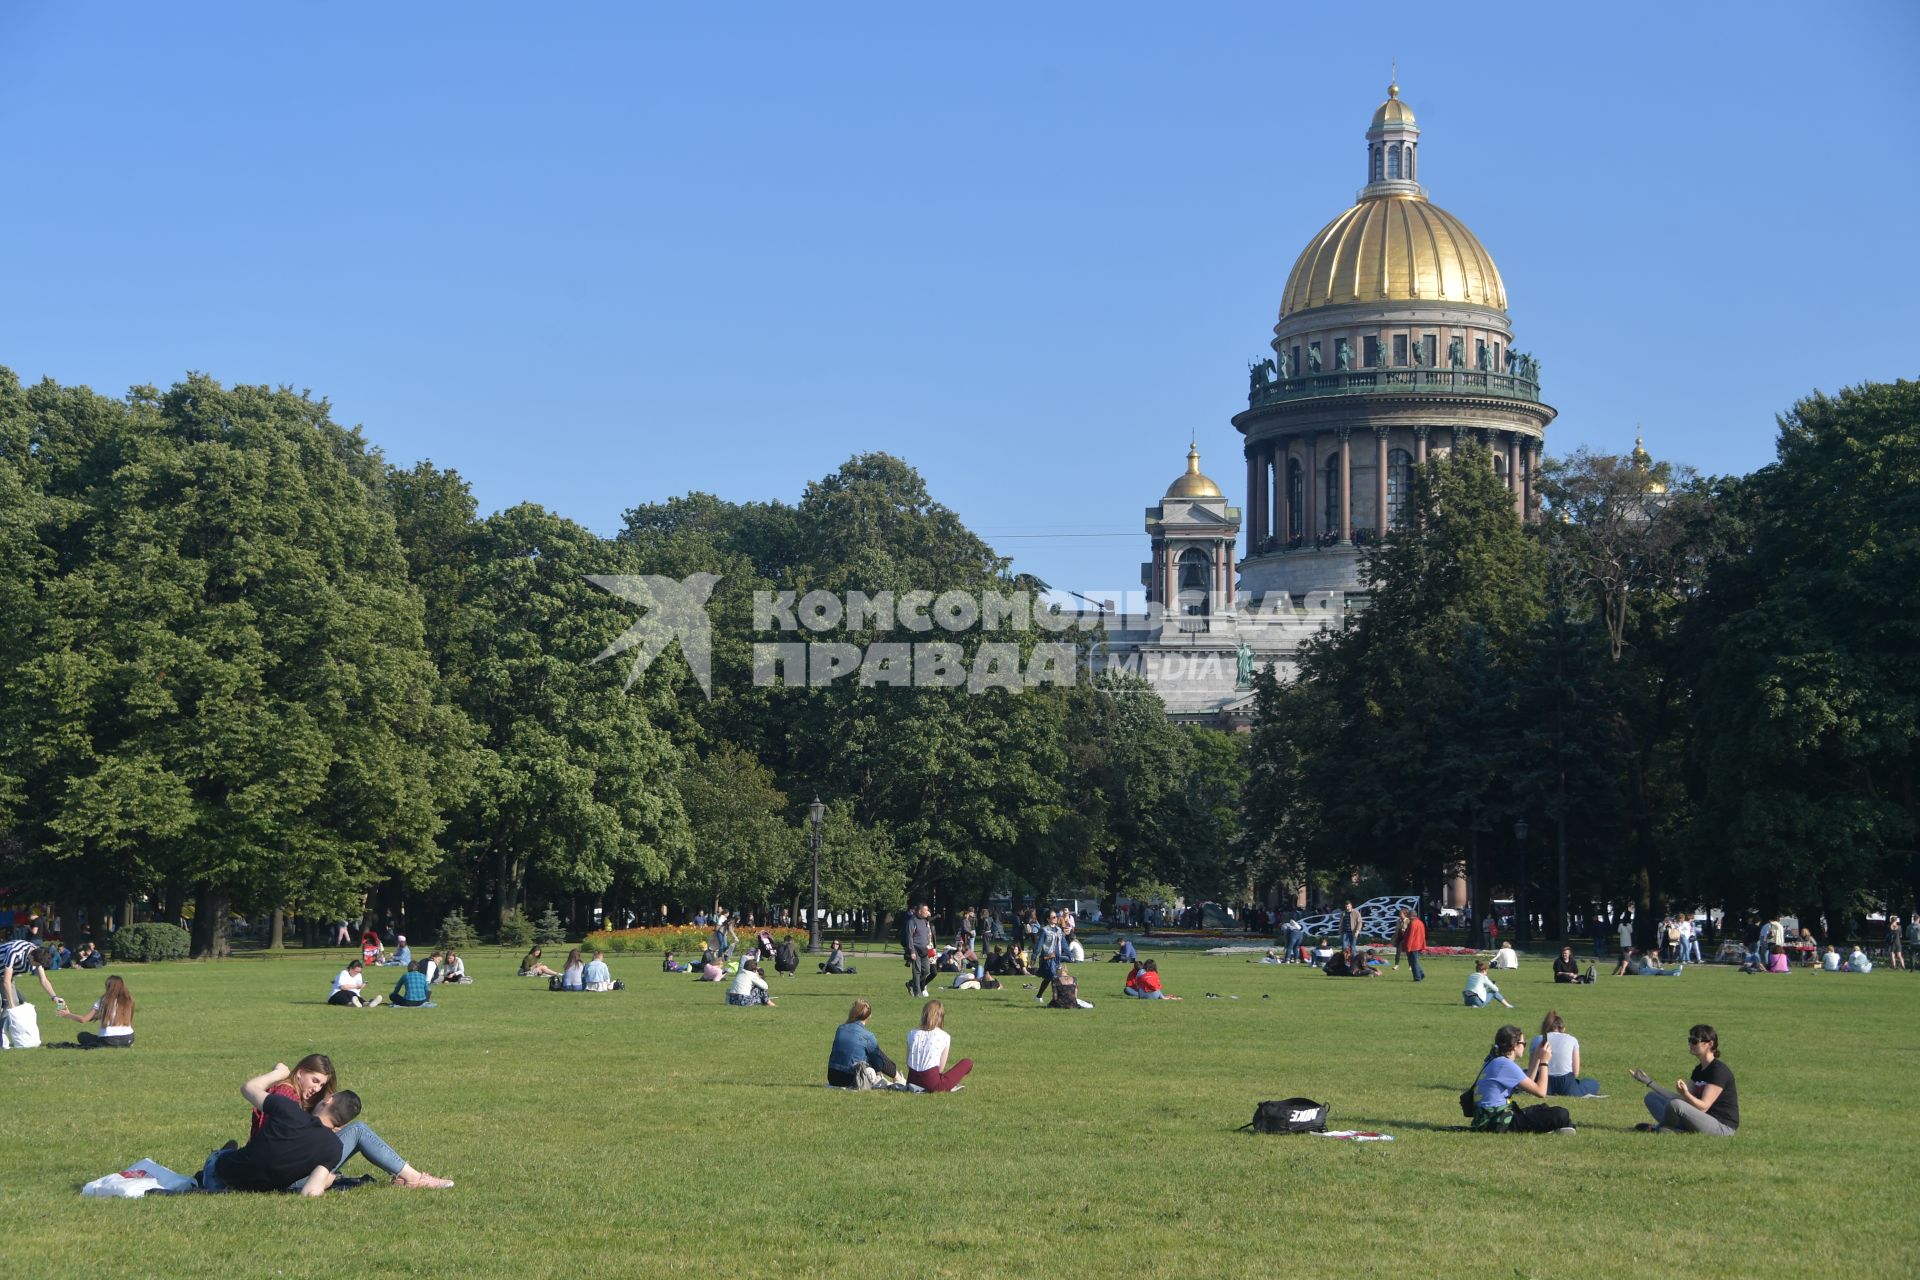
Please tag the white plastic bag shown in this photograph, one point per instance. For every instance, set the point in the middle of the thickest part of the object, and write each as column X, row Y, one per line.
column 20, row 1028
column 132, row 1183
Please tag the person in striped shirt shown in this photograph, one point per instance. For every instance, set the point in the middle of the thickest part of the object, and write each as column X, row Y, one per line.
column 17, row 959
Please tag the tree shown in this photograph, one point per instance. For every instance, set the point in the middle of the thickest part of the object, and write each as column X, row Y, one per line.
column 575, row 780
column 1394, row 748
column 228, row 690
column 1802, row 652
column 742, row 846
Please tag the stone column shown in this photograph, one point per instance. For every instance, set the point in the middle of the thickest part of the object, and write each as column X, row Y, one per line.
column 1526, row 479
column 1282, row 495
column 1346, row 486
column 1310, row 491
column 1420, row 445
column 1253, row 498
column 1513, row 474
column 1380, row 480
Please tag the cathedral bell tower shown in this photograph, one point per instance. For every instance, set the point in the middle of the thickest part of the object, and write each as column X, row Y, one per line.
column 1193, row 531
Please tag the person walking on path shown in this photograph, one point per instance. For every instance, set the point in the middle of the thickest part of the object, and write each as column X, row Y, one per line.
column 1415, row 930
column 919, row 951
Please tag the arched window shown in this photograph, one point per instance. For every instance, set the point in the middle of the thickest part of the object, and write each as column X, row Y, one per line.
column 1330, row 489
column 1411, row 148
column 1377, row 162
column 1393, row 161
column 1399, row 485
column 1194, row 574
column 1296, row 499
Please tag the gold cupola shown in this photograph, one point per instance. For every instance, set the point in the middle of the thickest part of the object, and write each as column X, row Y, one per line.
column 1192, row 484
column 1393, row 245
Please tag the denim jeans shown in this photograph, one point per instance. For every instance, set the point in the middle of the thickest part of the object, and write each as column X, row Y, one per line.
column 1293, row 955
column 1144, row 995
column 358, row 1137
column 1474, row 1000
column 1348, row 939
column 1413, row 963
column 1571, row 1086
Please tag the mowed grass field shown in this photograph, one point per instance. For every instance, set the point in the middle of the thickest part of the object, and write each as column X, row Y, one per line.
column 658, row 1132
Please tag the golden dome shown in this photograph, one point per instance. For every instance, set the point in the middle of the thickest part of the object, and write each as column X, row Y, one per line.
column 1393, row 111
column 1395, row 247
column 1193, row 484
column 1642, row 461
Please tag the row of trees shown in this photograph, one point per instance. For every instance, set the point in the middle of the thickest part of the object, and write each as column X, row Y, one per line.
column 247, row 665
column 1689, row 691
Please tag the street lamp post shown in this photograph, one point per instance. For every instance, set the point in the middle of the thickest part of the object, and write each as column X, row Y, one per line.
column 1524, row 925
column 817, row 812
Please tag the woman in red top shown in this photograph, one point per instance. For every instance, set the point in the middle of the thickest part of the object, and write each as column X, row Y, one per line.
column 1144, row 982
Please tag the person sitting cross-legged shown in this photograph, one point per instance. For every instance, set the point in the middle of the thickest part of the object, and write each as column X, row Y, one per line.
column 1144, row 982
column 1501, row 1077
column 1563, row 1075
column 597, row 976
column 1706, row 1103
column 855, row 1047
column 350, row 988
column 927, row 1049
column 411, row 992
column 749, row 988
column 836, row 961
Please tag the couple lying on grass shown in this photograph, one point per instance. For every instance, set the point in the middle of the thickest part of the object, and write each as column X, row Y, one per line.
column 304, row 1130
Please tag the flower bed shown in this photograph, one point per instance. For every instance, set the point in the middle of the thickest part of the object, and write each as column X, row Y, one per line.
column 683, row 939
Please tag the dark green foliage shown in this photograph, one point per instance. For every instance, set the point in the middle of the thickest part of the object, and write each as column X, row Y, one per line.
column 515, row 930
column 549, row 930
column 456, row 933
column 1804, row 656
column 150, row 940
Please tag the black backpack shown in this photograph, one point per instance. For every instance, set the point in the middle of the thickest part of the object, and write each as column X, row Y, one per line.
column 1289, row 1115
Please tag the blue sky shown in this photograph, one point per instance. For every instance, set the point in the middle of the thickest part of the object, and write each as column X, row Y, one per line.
column 592, row 255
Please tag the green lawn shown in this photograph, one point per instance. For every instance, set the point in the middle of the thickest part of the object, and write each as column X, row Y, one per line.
column 656, row 1132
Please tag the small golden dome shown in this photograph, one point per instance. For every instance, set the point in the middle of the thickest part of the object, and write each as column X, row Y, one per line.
column 1193, row 484
column 1643, row 462
column 1393, row 248
column 1393, row 111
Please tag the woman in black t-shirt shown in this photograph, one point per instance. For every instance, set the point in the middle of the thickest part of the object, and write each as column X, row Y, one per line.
column 1707, row 1102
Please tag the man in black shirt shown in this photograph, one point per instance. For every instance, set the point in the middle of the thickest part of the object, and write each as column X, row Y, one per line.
column 1566, row 968
column 290, row 1145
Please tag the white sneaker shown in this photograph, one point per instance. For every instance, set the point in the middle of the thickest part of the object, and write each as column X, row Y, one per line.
column 1569, row 1131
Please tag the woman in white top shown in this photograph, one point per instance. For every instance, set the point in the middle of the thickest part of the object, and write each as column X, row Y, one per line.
column 114, row 1012
column 349, row 988
column 927, row 1048
column 1563, row 1066
column 1505, row 957
column 1481, row 991
column 748, row 986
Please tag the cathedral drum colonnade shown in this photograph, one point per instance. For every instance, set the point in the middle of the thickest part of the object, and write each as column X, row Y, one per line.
column 1393, row 343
